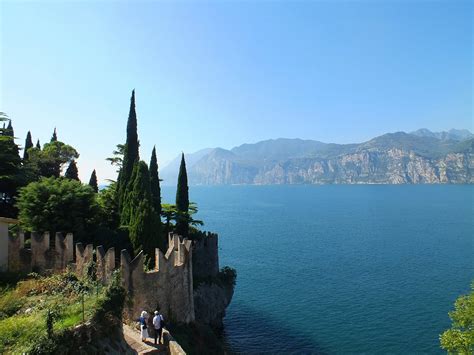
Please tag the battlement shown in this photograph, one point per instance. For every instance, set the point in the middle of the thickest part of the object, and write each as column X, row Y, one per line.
column 40, row 255
column 169, row 286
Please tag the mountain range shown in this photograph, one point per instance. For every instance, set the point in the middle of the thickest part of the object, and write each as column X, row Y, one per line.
column 421, row 156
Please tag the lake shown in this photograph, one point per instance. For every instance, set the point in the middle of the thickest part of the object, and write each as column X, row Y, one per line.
column 341, row 268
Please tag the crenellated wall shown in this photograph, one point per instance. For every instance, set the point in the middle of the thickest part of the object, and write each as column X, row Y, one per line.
column 40, row 256
column 168, row 287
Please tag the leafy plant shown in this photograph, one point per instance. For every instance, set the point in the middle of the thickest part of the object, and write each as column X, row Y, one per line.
column 460, row 338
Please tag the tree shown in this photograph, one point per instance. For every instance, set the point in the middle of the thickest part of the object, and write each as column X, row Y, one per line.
column 182, row 201
column 71, row 171
column 460, row 338
column 57, row 205
column 93, row 182
column 140, row 216
column 10, row 164
column 54, row 137
column 155, row 183
column 50, row 160
column 28, row 145
column 131, row 155
column 117, row 158
column 38, row 145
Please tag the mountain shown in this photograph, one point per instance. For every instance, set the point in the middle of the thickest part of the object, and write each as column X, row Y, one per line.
column 393, row 158
column 452, row 134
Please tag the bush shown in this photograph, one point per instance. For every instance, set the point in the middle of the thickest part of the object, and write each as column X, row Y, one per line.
column 228, row 276
column 57, row 205
column 460, row 338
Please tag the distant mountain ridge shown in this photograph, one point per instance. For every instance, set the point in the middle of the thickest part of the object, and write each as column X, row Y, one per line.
column 393, row 158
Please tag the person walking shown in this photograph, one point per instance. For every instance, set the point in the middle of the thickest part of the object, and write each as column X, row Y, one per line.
column 158, row 323
column 143, row 326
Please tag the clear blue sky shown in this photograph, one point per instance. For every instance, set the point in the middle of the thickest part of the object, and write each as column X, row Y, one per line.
column 211, row 74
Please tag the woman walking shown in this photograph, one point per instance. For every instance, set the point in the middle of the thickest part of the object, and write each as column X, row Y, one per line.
column 143, row 326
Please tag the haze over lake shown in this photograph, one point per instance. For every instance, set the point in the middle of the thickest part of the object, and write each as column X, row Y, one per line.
column 326, row 269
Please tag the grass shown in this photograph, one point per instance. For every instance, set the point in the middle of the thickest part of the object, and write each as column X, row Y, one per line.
column 24, row 307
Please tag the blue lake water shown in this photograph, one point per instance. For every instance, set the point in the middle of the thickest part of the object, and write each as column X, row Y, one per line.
column 341, row 268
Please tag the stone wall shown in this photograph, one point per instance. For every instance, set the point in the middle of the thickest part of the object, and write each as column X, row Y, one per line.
column 169, row 287
column 206, row 256
column 40, row 256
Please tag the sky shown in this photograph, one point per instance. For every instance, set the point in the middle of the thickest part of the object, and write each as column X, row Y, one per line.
column 224, row 73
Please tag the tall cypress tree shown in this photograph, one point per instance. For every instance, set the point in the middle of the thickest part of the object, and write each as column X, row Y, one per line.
column 93, row 181
column 72, row 173
column 38, row 145
column 54, row 137
column 143, row 222
column 28, row 145
column 182, row 201
column 9, row 129
column 131, row 155
column 155, row 183
column 9, row 169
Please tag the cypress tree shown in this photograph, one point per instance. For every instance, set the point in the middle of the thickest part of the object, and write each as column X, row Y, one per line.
column 93, row 181
column 155, row 183
column 9, row 169
column 72, row 173
column 28, row 145
column 9, row 129
column 54, row 138
column 131, row 155
column 182, row 201
column 143, row 222
column 38, row 145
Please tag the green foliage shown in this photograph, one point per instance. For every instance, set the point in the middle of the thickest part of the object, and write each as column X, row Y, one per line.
column 57, row 205
column 109, row 213
column 71, row 171
column 182, row 201
column 54, row 308
column 28, row 145
column 228, row 276
column 131, row 154
column 460, row 338
column 54, row 137
column 9, row 169
column 155, row 183
column 140, row 216
column 50, row 160
column 117, row 158
column 110, row 307
column 93, row 182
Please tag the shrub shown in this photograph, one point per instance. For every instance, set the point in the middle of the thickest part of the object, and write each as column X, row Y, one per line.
column 55, row 205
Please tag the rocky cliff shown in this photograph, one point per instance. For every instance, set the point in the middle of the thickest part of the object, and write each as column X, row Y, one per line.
column 396, row 158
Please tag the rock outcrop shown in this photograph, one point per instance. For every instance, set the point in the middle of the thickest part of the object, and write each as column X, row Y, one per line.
column 395, row 158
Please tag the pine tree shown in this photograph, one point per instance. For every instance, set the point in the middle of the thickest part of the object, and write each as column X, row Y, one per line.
column 28, row 145
column 38, row 145
column 155, row 183
column 131, row 155
column 182, row 201
column 72, row 173
column 93, row 181
column 142, row 220
column 54, row 138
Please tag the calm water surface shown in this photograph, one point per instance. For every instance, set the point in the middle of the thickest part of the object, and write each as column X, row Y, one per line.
column 332, row 269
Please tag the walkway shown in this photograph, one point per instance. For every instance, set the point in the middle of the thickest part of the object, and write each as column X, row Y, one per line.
column 132, row 337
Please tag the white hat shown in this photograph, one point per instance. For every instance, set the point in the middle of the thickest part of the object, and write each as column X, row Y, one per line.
column 156, row 312
column 144, row 313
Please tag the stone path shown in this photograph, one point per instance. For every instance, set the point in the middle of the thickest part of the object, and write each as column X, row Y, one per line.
column 132, row 337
